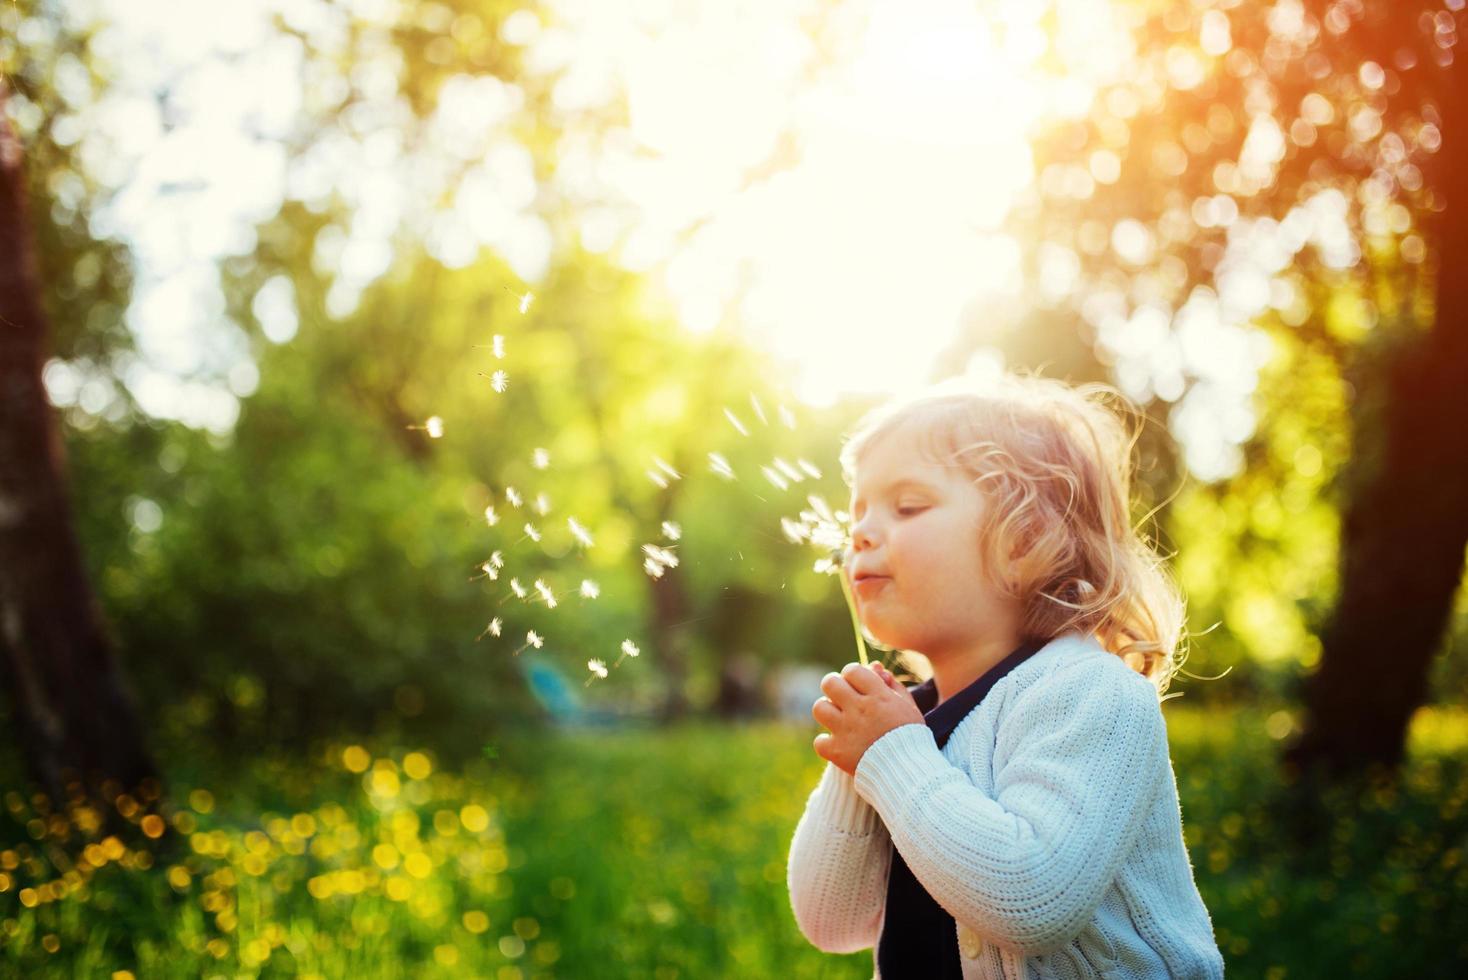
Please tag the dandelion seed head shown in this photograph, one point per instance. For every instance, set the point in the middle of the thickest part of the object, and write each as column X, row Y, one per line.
column 652, row 568
column 497, row 559
column 596, row 667
column 531, row 532
column 672, row 531
column 513, row 496
column 721, row 466
column 535, row 639
column 490, row 517
column 589, row 589
column 540, row 458
column 629, row 649
column 519, row 590
column 499, row 381
column 795, row 530
column 434, row 425
column 496, row 627
column 831, row 537
column 825, row 566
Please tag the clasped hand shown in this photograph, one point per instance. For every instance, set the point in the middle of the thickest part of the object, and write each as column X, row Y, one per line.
column 861, row 704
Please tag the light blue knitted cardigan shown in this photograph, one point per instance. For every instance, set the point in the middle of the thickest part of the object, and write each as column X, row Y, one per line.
column 1048, row 826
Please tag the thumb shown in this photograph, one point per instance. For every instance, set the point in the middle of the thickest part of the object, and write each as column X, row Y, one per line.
column 891, row 681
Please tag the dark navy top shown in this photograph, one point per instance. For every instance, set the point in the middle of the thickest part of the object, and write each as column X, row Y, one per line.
column 919, row 938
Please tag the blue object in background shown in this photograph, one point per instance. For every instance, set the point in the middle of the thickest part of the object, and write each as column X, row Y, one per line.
column 559, row 697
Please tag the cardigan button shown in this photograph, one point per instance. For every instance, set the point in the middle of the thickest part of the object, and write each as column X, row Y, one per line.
column 969, row 943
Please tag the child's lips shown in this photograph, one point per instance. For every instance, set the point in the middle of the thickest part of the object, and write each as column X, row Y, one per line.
column 869, row 585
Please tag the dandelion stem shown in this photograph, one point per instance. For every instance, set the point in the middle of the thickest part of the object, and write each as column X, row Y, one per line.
column 861, row 646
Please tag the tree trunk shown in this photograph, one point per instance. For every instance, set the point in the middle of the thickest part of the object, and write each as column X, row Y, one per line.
column 1406, row 525
column 75, row 717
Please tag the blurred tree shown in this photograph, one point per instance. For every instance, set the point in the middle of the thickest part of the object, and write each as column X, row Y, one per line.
column 1239, row 135
column 76, row 719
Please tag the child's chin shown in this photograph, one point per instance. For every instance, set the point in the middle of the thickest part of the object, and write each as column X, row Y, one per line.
column 884, row 634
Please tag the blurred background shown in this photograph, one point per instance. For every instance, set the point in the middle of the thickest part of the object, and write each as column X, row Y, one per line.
column 401, row 401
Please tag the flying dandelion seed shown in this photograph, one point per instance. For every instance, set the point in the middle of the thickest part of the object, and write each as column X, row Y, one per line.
column 433, row 426
column 779, row 481
column 787, row 471
column 513, row 496
column 497, row 559
column 532, row 532
column 809, row 467
column 499, row 381
column 579, row 532
column 493, row 629
column 488, row 568
column 667, row 468
column 525, row 302
column 629, row 649
column 589, row 589
column 788, row 417
column 822, row 509
column 490, row 517
column 532, row 639
column 519, row 590
column 542, row 504
column 672, row 531
column 759, row 410
column 497, row 346
column 652, row 568
column 663, row 556
column 734, row 421
column 721, row 466
column 658, row 478
column 825, row 566
column 598, row 671
column 545, row 593
column 540, row 459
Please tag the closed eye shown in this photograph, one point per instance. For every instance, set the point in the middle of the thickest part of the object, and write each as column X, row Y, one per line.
column 909, row 511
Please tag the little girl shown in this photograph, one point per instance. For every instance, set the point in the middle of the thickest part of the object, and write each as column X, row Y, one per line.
column 1016, row 815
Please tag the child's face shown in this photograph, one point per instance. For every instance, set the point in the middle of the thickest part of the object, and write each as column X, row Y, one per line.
column 913, row 563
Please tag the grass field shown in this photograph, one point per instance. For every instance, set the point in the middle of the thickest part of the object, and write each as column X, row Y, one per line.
column 660, row 854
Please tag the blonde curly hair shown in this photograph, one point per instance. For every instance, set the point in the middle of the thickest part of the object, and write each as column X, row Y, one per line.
column 1054, row 463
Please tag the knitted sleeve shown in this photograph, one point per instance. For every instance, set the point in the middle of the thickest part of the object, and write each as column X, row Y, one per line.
column 1078, row 759
column 837, row 869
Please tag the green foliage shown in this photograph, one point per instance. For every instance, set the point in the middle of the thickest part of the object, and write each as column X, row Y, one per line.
column 312, row 570
column 662, row 854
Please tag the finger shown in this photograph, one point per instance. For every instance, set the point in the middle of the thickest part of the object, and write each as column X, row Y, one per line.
column 835, row 687
column 862, row 679
column 821, row 742
column 825, row 712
